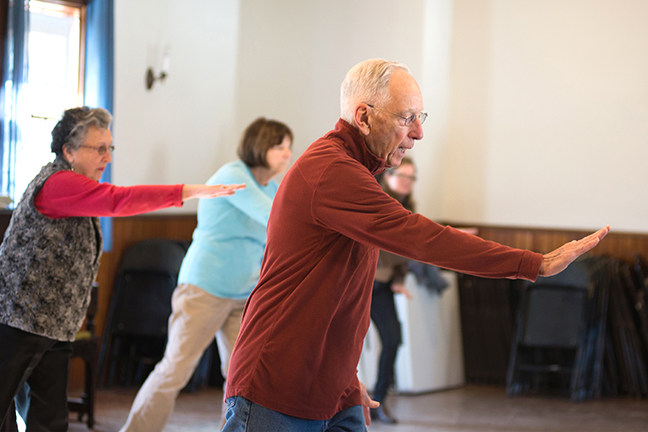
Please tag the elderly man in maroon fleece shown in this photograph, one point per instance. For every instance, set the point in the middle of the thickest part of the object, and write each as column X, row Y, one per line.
column 294, row 364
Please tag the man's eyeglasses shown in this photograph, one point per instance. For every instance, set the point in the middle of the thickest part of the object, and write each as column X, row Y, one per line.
column 101, row 150
column 406, row 120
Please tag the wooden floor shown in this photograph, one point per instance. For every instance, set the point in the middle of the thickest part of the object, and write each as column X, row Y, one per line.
column 466, row 409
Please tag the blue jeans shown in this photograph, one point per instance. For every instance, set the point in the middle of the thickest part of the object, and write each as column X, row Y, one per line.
column 244, row 415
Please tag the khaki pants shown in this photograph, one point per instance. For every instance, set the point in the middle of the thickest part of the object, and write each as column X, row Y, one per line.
column 196, row 317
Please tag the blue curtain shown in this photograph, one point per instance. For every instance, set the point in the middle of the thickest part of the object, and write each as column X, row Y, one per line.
column 14, row 76
column 99, row 74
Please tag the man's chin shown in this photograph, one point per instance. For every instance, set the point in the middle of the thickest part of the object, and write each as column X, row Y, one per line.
column 393, row 161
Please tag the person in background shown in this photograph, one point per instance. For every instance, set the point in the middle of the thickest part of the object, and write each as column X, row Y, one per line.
column 50, row 256
column 294, row 364
column 390, row 278
column 219, row 271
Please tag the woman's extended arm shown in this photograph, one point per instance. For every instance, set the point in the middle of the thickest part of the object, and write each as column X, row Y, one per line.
column 68, row 194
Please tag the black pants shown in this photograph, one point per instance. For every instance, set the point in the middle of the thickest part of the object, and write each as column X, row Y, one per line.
column 383, row 314
column 40, row 367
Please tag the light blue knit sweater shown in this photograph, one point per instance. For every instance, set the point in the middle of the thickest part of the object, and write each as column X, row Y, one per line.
column 225, row 256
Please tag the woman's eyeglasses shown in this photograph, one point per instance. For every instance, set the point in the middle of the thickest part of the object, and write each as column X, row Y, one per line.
column 405, row 177
column 102, row 150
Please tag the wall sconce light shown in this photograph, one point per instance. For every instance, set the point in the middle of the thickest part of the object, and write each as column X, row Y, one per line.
column 150, row 75
column 151, row 78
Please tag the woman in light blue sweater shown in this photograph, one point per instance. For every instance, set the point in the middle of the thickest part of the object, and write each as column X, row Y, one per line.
column 219, row 271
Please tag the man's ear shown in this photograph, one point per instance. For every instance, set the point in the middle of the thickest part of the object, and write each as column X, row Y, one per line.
column 361, row 117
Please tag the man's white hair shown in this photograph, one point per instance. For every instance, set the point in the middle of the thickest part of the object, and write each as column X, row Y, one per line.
column 368, row 82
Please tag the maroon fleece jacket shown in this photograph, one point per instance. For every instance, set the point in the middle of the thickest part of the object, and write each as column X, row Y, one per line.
column 304, row 324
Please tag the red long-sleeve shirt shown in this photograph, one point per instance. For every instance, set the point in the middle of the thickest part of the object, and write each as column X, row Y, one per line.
column 68, row 194
column 305, row 322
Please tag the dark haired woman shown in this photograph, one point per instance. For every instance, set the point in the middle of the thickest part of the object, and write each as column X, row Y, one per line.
column 220, row 270
column 50, row 256
column 390, row 277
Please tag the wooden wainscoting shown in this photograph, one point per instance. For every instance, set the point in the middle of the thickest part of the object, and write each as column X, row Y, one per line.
column 616, row 244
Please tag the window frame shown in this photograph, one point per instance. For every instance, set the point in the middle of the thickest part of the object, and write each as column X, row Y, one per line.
column 82, row 6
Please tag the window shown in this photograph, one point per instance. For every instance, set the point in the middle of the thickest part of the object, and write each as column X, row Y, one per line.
column 54, row 82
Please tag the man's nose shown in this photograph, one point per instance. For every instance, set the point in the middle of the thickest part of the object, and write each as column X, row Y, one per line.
column 417, row 130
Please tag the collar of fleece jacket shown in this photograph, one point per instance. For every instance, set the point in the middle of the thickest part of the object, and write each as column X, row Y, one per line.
column 356, row 146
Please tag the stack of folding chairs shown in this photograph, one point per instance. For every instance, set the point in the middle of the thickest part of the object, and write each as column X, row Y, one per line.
column 606, row 354
column 628, row 348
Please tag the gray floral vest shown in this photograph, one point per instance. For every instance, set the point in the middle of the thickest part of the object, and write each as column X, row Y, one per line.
column 47, row 266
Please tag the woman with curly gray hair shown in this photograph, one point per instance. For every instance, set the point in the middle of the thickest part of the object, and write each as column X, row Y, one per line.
column 50, row 256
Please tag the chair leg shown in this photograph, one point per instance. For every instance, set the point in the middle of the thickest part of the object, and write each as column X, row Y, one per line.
column 85, row 404
column 10, row 422
column 89, row 397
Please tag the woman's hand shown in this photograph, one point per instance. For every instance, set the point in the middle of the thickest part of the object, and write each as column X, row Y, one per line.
column 556, row 261
column 209, row 191
column 400, row 288
column 367, row 403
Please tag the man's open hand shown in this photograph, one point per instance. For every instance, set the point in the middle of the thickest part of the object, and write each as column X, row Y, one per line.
column 556, row 261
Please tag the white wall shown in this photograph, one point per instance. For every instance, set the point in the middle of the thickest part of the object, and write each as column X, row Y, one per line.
column 233, row 61
column 179, row 131
column 538, row 108
column 549, row 114
column 293, row 56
